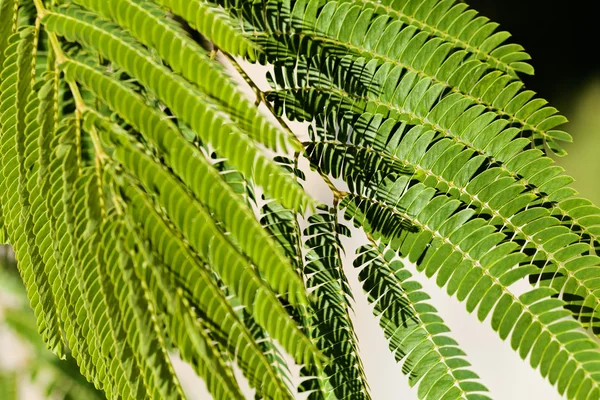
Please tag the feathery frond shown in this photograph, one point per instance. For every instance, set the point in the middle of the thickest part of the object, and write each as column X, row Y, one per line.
column 416, row 334
column 455, row 23
column 196, row 109
column 18, row 103
column 153, row 208
column 329, row 319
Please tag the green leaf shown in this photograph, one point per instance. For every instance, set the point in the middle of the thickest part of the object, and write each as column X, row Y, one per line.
column 188, row 333
column 329, row 321
column 451, row 169
column 464, row 253
column 18, row 106
column 199, row 286
column 459, row 26
column 189, row 59
column 203, row 180
column 195, row 108
column 417, row 335
column 215, row 23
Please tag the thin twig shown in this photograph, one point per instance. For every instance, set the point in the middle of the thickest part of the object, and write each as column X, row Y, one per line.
column 261, row 98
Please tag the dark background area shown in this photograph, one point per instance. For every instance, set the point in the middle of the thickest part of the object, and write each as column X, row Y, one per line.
column 561, row 37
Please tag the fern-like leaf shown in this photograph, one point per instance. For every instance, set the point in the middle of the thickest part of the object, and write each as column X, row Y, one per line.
column 17, row 92
column 416, row 334
column 446, row 166
column 457, row 24
column 215, row 23
column 188, row 333
column 330, row 322
column 203, row 293
column 470, row 260
column 181, row 52
column 184, row 99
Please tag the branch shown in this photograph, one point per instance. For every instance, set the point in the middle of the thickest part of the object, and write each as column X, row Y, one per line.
column 261, row 98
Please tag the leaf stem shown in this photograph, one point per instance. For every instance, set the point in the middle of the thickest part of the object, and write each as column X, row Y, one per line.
column 261, row 98
column 60, row 58
column 338, row 195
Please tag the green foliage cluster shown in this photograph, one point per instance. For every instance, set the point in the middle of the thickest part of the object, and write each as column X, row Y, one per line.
column 130, row 162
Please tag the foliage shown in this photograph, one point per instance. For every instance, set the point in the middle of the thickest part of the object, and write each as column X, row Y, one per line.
column 132, row 165
column 64, row 380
